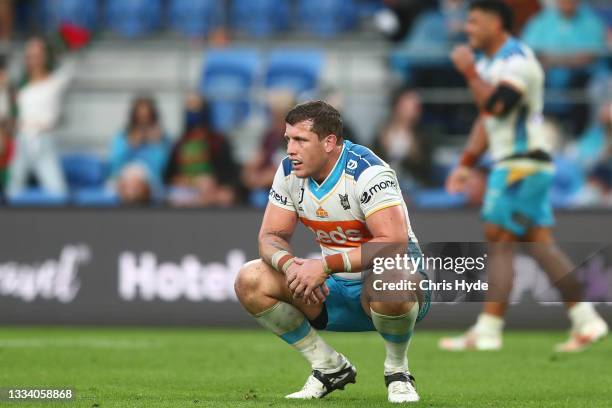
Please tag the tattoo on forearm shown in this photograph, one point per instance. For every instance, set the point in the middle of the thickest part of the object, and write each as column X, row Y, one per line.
column 275, row 240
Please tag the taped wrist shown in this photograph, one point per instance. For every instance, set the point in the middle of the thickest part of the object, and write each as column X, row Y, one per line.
column 281, row 260
column 337, row 263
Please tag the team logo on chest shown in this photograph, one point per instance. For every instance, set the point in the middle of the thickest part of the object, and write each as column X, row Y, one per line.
column 321, row 213
column 344, row 201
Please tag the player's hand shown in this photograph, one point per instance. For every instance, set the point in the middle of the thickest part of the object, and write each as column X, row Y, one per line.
column 457, row 180
column 304, row 277
column 318, row 295
column 463, row 58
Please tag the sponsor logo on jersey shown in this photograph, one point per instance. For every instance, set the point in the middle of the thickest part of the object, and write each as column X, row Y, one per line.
column 352, row 164
column 278, row 197
column 383, row 185
column 347, row 234
column 321, row 213
column 344, row 201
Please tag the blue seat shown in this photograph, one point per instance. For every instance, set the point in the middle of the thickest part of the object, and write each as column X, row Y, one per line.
column 367, row 8
column 195, row 18
column 260, row 18
column 569, row 179
column 438, row 198
column 96, row 197
column 133, row 18
column 227, row 80
column 36, row 197
column 326, row 18
column 606, row 14
column 78, row 12
column 294, row 69
column 84, row 170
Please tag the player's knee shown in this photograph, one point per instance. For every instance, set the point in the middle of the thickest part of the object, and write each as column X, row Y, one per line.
column 393, row 308
column 248, row 280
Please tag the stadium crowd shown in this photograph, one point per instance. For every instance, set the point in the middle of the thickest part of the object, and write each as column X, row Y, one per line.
column 203, row 166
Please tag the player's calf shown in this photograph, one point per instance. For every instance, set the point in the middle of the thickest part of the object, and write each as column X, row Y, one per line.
column 263, row 291
column 395, row 322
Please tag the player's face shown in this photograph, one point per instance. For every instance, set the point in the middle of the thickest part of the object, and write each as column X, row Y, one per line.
column 480, row 28
column 308, row 154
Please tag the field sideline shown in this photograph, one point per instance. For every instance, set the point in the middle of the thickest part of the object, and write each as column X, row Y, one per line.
column 239, row 368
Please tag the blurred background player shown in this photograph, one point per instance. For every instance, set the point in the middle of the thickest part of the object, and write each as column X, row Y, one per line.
column 507, row 85
column 344, row 192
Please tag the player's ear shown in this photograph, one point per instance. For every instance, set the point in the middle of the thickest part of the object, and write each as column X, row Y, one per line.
column 330, row 142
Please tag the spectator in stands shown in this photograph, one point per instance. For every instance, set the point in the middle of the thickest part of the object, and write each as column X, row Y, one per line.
column 139, row 154
column 570, row 35
column 201, row 168
column 397, row 18
column 438, row 30
column 258, row 172
column 523, row 10
column 39, row 107
column 422, row 57
column 5, row 123
column 404, row 143
column 568, row 39
column 594, row 154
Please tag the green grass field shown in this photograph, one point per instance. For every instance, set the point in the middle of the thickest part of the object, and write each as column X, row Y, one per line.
column 233, row 368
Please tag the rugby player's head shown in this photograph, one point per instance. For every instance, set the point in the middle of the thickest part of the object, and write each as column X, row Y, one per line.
column 488, row 21
column 314, row 137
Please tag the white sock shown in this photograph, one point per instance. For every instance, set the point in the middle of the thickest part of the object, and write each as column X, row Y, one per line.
column 397, row 332
column 290, row 324
column 489, row 325
column 581, row 313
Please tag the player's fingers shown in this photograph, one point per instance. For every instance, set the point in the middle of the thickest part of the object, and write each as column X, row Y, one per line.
column 298, row 292
column 318, row 294
column 307, row 291
column 290, row 278
column 312, row 300
column 299, row 261
column 293, row 285
column 325, row 289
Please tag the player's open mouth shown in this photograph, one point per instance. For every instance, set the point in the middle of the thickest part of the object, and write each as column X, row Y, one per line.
column 296, row 163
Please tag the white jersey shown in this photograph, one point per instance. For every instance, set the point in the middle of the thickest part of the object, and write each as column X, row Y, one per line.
column 521, row 130
column 336, row 210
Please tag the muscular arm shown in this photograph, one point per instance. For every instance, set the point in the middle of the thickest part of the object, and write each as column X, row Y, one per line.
column 481, row 90
column 276, row 230
column 477, row 140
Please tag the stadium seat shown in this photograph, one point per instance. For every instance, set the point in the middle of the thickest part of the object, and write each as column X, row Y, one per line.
column 294, row 69
column 195, row 18
column 605, row 13
column 36, row 197
column 326, row 18
column 367, row 8
column 78, row 12
column 227, row 80
column 133, row 18
column 569, row 179
column 437, row 198
column 84, row 170
column 96, row 197
column 260, row 18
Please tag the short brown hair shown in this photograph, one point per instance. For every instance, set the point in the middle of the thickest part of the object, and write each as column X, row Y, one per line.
column 326, row 120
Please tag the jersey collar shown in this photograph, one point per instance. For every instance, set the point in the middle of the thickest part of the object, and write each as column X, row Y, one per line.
column 320, row 190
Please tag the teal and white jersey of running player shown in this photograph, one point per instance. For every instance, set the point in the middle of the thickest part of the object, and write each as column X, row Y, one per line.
column 520, row 131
